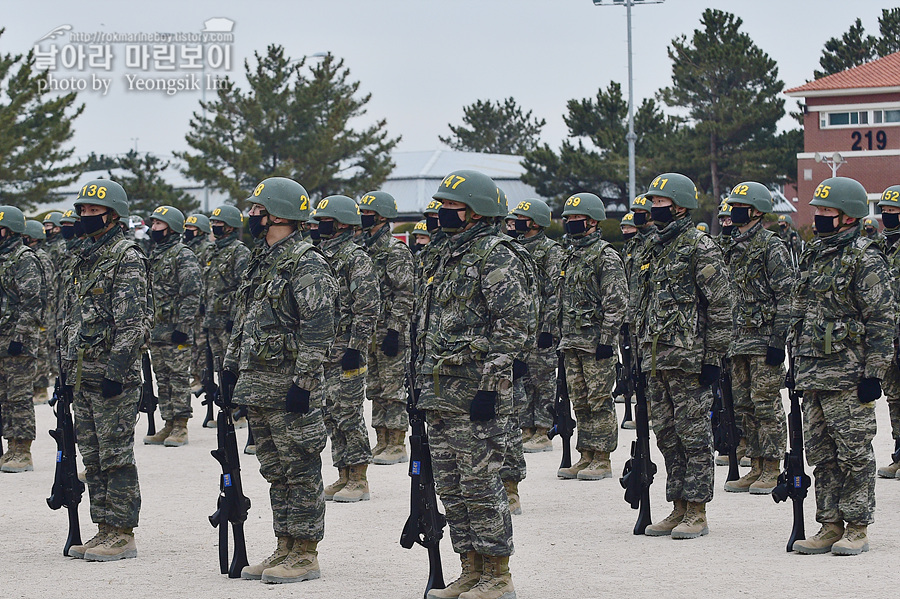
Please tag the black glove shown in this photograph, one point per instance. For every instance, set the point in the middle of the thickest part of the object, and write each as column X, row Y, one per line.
column 15, row 348
column 709, row 374
column 202, row 310
column 603, row 352
column 297, row 400
column 868, row 390
column 179, row 338
column 391, row 344
column 483, row 406
column 774, row 356
column 229, row 379
column 520, row 369
column 110, row 388
column 545, row 340
column 351, row 360
column 229, row 326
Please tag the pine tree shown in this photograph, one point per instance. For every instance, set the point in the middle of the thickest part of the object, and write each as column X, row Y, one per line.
column 852, row 49
column 147, row 189
column 889, row 27
column 495, row 128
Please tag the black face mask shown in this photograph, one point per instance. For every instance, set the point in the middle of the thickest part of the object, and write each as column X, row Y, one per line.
column 367, row 221
column 513, row 232
column 93, row 223
column 417, row 247
column 314, row 234
column 740, row 215
column 49, row 236
column 640, row 219
column 576, row 228
column 824, row 224
column 662, row 214
column 189, row 234
column 326, row 229
column 157, row 236
column 450, row 220
column 218, row 231
column 521, row 225
column 255, row 226
column 891, row 221
column 727, row 230
column 627, row 236
column 68, row 232
column 79, row 228
column 782, row 227
column 431, row 223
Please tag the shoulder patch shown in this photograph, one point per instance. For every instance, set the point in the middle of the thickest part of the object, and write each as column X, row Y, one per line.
column 871, row 280
column 708, row 271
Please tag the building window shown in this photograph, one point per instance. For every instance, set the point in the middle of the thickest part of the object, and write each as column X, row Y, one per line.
column 853, row 118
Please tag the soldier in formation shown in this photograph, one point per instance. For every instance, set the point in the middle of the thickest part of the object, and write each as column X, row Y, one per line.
column 196, row 238
column 790, row 237
column 34, row 238
column 890, row 217
column 226, row 263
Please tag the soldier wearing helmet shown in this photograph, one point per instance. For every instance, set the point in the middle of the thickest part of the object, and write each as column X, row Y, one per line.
column 21, row 312
column 890, row 217
column 703, row 228
column 284, row 326
column 870, row 230
column 35, row 237
column 685, row 337
column 470, row 332
column 347, row 364
column 842, row 341
column 108, row 312
column 390, row 353
column 790, row 237
column 176, row 280
column 637, row 255
column 592, row 304
column 196, row 237
column 762, row 277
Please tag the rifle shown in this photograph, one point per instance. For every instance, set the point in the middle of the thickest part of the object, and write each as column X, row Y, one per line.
column 67, row 489
column 561, row 410
column 149, row 400
column 726, row 434
column 209, row 389
column 639, row 469
column 241, row 412
column 624, row 373
column 793, row 482
column 425, row 524
column 232, row 505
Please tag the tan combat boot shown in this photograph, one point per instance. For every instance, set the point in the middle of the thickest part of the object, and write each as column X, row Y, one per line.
column 78, row 551
column 160, row 437
column 527, row 434
column 598, row 469
column 381, row 440
column 742, row 485
column 539, row 442
column 693, row 524
column 472, row 564
column 40, row 396
column 301, row 564
column 179, row 434
column 664, row 527
column 117, row 544
column 854, row 541
column 495, row 581
column 768, row 479
column 281, row 551
column 512, row 494
column 395, row 452
column 721, row 459
column 10, row 450
column 357, row 488
column 583, row 462
column 340, row 483
column 883, row 472
column 828, row 535
column 20, row 461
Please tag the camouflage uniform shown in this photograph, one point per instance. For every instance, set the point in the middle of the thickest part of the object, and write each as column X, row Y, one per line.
column 386, row 379
column 792, row 242
column 46, row 363
column 221, row 278
column 203, row 249
column 176, row 290
column 359, row 309
column 593, row 299
column 891, row 382
column 285, row 325
column 762, row 277
column 638, row 254
column 842, row 334
column 688, row 325
column 107, row 325
column 476, row 301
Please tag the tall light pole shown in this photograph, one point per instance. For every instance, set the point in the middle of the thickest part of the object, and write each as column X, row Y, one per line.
column 631, row 137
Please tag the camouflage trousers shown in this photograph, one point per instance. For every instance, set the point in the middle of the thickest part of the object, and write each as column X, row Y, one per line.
column 386, row 387
column 105, row 431
column 513, row 468
column 198, row 349
column 891, row 386
column 466, row 457
column 344, row 396
column 839, row 432
column 16, row 396
column 590, row 390
column 289, row 448
column 171, row 365
column 539, row 389
column 218, row 342
column 680, row 408
column 756, row 389
column 45, row 365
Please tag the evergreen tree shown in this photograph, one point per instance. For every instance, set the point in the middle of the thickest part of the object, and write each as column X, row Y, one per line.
column 889, row 27
column 292, row 124
column 102, row 162
column 147, row 189
column 495, row 128
column 852, row 49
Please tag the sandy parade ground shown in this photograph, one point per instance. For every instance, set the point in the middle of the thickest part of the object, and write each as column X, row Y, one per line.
column 574, row 538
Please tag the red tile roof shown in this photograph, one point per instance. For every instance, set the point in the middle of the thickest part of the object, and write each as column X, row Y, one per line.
column 883, row 72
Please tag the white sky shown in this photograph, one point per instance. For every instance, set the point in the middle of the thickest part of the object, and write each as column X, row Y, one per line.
column 423, row 60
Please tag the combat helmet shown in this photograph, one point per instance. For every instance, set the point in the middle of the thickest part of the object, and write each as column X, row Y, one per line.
column 753, row 194
column 13, row 219
column 282, row 198
column 200, row 221
column 844, row 194
column 35, row 230
column 675, row 186
column 103, row 192
column 340, row 208
column 475, row 190
column 585, row 203
column 535, row 209
column 229, row 215
column 171, row 216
